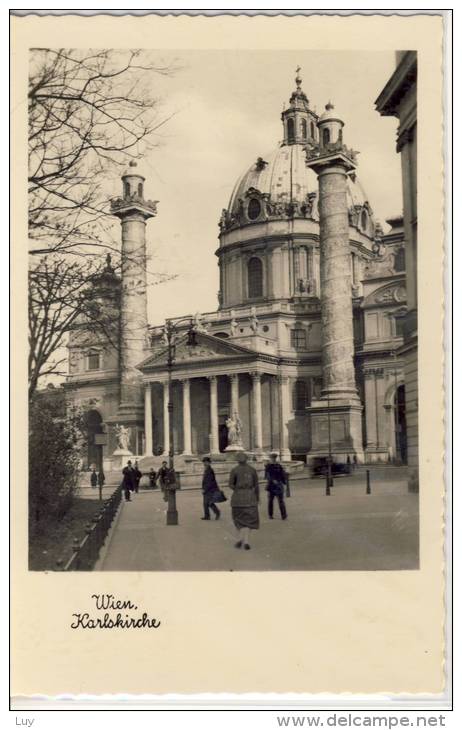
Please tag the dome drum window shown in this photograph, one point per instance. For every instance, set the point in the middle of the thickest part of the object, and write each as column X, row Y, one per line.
column 255, row 278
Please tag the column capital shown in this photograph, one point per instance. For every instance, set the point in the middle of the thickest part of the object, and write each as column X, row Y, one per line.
column 282, row 379
column 234, row 376
column 212, row 378
column 255, row 375
column 185, row 381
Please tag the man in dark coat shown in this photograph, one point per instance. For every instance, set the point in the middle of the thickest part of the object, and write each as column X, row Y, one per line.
column 128, row 480
column 209, row 490
column 276, row 479
column 162, row 476
column 138, row 476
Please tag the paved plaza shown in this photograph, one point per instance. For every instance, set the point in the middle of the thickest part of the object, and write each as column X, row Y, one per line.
column 348, row 530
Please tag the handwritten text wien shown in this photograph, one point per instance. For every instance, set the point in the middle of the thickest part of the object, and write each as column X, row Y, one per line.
column 110, row 620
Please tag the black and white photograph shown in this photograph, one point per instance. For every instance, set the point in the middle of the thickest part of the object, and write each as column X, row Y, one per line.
column 223, row 310
column 229, row 449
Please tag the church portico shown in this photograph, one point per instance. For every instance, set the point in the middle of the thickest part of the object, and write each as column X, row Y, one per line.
column 202, row 403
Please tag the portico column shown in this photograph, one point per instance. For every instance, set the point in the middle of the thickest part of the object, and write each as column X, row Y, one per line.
column 186, row 418
column 148, row 420
column 166, row 423
column 214, row 448
column 284, row 416
column 257, row 420
column 234, row 393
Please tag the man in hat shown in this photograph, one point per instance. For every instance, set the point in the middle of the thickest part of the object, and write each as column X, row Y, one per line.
column 162, row 476
column 128, row 480
column 276, row 481
column 209, row 490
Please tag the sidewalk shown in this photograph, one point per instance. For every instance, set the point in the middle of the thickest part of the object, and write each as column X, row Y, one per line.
column 347, row 531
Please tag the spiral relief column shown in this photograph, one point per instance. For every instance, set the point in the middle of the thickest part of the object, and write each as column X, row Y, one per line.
column 133, row 211
column 336, row 417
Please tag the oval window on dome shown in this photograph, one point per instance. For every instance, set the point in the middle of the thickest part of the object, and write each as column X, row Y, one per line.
column 254, row 209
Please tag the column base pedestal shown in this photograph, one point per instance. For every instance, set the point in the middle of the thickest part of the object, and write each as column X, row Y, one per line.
column 343, row 419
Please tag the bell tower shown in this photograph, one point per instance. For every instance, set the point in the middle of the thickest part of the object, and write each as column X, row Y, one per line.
column 299, row 121
column 133, row 211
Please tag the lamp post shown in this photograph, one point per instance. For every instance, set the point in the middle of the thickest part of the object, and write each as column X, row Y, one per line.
column 329, row 482
column 171, row 331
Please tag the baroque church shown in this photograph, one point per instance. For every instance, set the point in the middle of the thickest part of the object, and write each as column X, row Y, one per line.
column 303, row 347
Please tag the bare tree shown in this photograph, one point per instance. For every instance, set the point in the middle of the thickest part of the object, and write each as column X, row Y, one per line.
column 90, row 112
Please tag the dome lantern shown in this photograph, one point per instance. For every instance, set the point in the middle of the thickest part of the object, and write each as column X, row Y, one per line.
column 299, row 121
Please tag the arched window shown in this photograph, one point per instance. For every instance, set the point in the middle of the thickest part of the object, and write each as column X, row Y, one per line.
column 325, row 136
column 304, row 127
column 340, row 135
column 140, row 190
column 364, row 220
column 253, row 209
column 290, row 131
column 255, row 278
column 300, row 395
column 126, row 189
column 312, row 130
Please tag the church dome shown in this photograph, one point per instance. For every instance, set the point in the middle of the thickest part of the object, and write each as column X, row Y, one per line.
column 280, row 185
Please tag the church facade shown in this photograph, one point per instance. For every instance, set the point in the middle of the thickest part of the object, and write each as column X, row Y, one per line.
column 304, row 346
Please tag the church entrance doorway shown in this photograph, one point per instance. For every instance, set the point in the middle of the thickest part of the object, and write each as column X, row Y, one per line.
column 94, row 426
column 400, row 424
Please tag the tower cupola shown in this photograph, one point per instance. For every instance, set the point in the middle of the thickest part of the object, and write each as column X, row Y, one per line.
column 133, row 182
column 299, row 121
column 330, row 127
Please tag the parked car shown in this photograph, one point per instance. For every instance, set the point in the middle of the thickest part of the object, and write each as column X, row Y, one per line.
column 319, row 466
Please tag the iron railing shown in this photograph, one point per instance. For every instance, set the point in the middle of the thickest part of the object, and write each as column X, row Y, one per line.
column 86, row 551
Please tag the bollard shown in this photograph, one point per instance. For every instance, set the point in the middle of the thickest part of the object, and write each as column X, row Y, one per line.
column 327, row 485
column 368, row 482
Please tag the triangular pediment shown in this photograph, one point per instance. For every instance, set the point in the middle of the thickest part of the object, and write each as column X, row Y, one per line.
column 208, row 348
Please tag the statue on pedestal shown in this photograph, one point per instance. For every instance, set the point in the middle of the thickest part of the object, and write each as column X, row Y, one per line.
column 123, row 434
column 234, row 426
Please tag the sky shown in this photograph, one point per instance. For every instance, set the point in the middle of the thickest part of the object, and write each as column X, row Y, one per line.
column 226, row 108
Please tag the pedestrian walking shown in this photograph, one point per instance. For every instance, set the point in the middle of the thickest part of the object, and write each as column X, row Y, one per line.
column 138, row 476
column 94, row 478
column 162, row 476
column 210, row 490
column 276, row 481
column 152, row 478
column 128, row 480
column 243, row 480
column 101, row 478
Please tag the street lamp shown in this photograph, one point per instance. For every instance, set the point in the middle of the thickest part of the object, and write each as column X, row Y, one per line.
column 170, row 332
column 330, row 481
